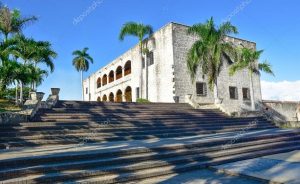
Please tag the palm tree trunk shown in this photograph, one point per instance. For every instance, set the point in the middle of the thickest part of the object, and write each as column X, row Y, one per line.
column 21, row 92
column 17, row 92
column 252, row 93
column 141, row 74
column 146, row 65
column 82, row 89
column 216, row 95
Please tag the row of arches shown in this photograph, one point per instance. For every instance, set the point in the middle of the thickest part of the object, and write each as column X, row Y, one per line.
column 118, row 97
column 114, row 75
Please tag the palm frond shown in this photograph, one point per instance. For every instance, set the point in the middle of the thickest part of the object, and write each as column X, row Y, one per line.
column 266, row 67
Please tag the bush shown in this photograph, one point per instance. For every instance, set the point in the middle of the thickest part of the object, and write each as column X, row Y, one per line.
column 10, row 93
column 141, row 100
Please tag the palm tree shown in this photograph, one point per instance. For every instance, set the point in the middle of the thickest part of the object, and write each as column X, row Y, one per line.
column 140, row 31
column 25, row 49
column 81, row 63
column 36, row 75
column 44, row 55
column 11, row 22
column 208, row 50
column 248, row 59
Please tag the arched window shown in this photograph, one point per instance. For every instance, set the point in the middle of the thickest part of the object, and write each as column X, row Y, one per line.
column 104, row 80
column 119, row 96
column 99, row 99
column 104, row 98
column 119, row 72
column 127, row 68
column 128, row 94
column 111, row 97
column 111, row 76
column 99, row 82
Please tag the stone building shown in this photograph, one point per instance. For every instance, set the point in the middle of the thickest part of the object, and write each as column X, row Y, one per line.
column 168, row 78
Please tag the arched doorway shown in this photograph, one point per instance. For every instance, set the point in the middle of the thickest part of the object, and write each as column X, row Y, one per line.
column 119, row 73
column 99, row 99
column 119, row 96
column 104, row 98
column 128, row 94
column 127, row 68
column 111, row 97
column 111, row 76
column 99, row 82
column 104, row 80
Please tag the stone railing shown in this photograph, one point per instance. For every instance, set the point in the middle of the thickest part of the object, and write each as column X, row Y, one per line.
column 31, row 106
column 283, row 113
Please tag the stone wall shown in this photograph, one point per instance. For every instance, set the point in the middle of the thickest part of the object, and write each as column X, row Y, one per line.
column 30, row 107
column 182, row 43
column 282, row 111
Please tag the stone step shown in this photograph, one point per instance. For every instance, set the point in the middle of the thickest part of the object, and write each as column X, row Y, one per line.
column 99, row 169
column 99, row 132
column 64, row 140
column 180, row 168
column 78, row 115
column 153, row 118
column 70, row 129
column 92, row 138
column 136, row 157
column 198, row 120
column 92, row 151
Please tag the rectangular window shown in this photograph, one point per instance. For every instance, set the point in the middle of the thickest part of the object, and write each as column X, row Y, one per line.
column 86, row 90
column 201, row 88
column 137, row 93
column 143, row 63
column 246, row 93
column 150, row 58
column 233, row 93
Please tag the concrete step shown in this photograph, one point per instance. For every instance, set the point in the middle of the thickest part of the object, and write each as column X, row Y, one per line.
column 54, row 174
column 99, row 132
column 73, row 129
column 136, row 119
column 93, row 138
column 80, row 122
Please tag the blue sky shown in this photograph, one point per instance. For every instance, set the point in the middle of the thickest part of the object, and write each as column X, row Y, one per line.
column 273, row 24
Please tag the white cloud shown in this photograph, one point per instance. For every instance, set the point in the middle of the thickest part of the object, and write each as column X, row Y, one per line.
column 282, row 90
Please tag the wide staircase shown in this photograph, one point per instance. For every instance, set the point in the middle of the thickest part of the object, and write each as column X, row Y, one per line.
column 91, row 142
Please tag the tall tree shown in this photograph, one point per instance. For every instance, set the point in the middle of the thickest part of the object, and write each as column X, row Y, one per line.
column 248, row 59
column 140, row 31
column 25, row 49
column 11, row 21
column 44, row 55
column 81, row 62
column 207, row 52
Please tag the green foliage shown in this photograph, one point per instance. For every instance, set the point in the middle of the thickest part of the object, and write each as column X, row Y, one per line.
column 9, row 93
column 137, row 30
column 141, row 100
column 248, row 59
column 11, row 21
column 19, row 55
column 82, row 60
column 8, row 105
column 207, row 52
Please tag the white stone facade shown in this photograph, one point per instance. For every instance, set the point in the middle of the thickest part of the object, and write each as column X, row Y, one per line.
column 168, row 77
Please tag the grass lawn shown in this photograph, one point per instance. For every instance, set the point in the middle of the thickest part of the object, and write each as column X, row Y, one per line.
column 6, row 105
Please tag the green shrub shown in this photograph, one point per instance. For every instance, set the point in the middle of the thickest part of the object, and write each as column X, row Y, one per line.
column 141, row 100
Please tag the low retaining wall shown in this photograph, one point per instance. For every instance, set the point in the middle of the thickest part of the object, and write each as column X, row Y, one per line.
column 30, row 108
column 12, row 117
column 284, row 113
